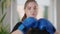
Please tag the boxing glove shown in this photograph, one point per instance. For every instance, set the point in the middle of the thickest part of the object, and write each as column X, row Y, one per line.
column 27, row 23
column 44, row 24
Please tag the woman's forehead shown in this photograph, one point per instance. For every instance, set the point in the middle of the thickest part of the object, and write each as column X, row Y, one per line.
column 31, row 4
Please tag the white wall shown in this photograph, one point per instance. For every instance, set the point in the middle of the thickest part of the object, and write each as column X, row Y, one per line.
column 58, row 14
column 14, row 14
column 52, row 13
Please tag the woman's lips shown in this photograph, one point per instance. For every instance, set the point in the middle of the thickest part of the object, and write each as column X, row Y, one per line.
column 33, row 14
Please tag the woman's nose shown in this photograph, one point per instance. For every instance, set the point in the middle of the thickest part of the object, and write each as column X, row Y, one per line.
column 32, row 10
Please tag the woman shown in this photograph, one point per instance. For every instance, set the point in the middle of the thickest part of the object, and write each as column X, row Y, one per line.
column 31, row 9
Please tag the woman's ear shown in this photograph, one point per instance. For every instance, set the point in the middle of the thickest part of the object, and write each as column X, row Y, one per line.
column 25, row 10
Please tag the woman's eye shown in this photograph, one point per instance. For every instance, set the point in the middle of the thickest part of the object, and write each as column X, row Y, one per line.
column 34, row 8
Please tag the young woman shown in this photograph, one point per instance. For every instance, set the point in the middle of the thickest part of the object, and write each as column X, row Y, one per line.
column 31, row 9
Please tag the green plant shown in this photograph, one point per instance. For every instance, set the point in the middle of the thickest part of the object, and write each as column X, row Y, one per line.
column 5, row 4
column 3, row 29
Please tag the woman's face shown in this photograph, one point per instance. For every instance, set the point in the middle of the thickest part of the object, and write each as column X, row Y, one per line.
column 31, row 9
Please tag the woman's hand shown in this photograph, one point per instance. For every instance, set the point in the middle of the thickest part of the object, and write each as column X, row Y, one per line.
column 44, row 24
column 27, row 23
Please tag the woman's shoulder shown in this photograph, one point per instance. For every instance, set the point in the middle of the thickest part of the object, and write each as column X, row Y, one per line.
column 19, row 23
column 16, row 26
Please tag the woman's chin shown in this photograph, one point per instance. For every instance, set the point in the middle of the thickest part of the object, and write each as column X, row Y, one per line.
column 33, row 16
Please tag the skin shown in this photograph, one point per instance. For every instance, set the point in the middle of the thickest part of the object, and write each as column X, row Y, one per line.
column 17, row 32
column 31, row 11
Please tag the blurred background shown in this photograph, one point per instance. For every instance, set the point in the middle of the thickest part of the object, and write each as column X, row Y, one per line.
column 12, row 11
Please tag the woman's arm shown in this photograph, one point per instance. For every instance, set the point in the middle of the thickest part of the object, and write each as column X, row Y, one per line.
column 56, row 32
column 17, row 32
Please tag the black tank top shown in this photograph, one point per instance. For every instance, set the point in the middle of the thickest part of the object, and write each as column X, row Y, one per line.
column 16, row 26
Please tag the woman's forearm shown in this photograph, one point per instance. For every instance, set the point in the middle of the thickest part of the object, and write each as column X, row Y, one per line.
column 17, row 32
column 56, row 32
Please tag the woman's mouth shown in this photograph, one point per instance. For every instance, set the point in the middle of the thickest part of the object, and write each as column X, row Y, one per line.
column 33, row 14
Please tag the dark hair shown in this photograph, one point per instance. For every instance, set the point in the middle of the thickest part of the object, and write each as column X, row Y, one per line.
column 25, row 7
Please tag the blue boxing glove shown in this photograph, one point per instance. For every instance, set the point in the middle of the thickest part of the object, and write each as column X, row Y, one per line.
column 28, row 23
column 44, row 24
